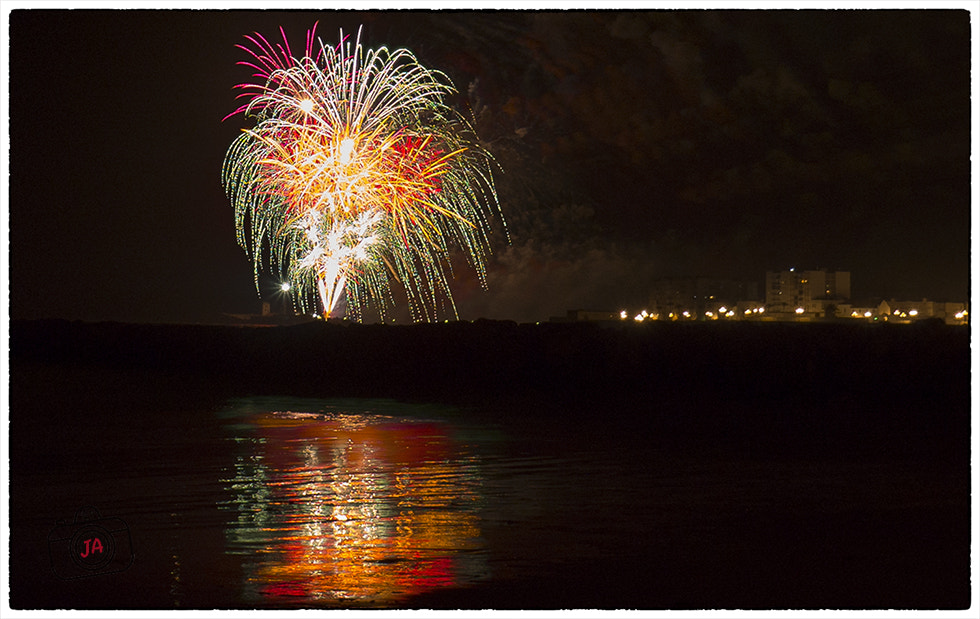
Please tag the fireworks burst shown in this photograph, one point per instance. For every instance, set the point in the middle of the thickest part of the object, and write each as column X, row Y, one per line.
column 357, row 174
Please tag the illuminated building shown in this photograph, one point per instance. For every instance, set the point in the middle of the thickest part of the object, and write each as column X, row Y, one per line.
column 910, row 311
column 792, row 295
column 698, row 295
column 818, row 293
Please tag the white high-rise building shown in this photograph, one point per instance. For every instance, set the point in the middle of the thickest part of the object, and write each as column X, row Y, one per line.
column 806, row 292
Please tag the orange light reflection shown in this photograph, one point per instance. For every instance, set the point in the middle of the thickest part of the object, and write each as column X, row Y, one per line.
column 353, row 509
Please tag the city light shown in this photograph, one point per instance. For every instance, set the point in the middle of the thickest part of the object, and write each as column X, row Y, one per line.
column 820, row 311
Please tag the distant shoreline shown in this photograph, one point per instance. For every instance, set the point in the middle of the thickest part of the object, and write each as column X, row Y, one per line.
column 858, row 378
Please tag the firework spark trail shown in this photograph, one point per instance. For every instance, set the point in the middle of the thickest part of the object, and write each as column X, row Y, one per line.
column 355, row 174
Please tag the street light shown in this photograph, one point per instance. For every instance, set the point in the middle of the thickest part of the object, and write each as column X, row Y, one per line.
column 284, row 289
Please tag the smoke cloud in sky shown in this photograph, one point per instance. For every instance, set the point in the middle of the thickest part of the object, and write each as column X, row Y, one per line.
column 644, row 144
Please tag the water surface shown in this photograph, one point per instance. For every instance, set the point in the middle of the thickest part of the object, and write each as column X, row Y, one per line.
column 284, row 503
column 337, row 503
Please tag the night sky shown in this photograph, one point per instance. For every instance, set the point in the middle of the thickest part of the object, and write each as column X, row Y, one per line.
column 633, row 145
